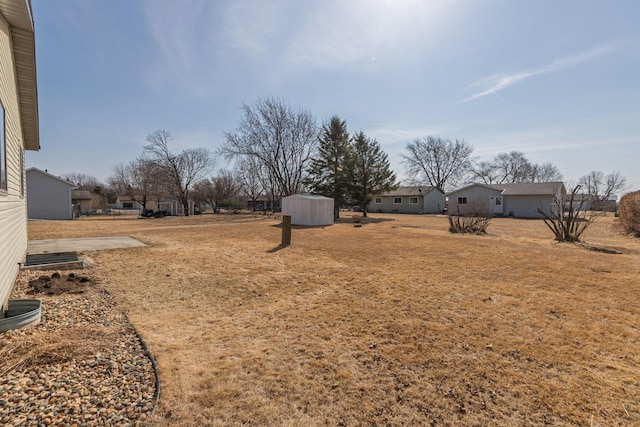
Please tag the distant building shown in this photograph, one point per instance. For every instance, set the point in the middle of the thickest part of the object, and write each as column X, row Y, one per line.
column 48, row 196
column 520, row 200
column 418, row 199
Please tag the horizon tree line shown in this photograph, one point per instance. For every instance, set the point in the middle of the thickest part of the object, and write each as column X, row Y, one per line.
column 278, row 150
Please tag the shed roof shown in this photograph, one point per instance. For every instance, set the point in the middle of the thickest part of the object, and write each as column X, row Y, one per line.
column 19, row 15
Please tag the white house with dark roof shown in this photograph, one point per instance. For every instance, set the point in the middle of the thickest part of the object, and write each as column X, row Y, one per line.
column 18, row 132
column 520, row 200
column 417, row 199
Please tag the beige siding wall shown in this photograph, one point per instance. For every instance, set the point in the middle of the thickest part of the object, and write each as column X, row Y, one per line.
column 433, row 202
column 388, row 205
column 13, row 228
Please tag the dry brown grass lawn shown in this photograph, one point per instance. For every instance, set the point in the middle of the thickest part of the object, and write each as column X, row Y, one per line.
column 394, row 323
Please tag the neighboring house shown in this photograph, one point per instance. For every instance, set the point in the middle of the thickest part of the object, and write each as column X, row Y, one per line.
column 81, row 200
column 18, row 132
column 127, row 203
column 424, row 199
column 264, row 204
column 521, row 200
column 48, row 196
column 173, row 206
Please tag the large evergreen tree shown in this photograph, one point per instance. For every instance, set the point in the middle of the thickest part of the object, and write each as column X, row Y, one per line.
column 330, row 170
column 372, row 172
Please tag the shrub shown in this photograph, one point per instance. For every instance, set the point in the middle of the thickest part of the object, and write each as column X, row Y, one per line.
column 629, row 213
column 568, row 218
column 474, row 220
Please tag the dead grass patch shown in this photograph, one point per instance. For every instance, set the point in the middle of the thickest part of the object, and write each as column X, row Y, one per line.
column 398, row 322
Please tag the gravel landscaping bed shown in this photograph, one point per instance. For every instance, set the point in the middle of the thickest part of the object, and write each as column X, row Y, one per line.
column 83, row 364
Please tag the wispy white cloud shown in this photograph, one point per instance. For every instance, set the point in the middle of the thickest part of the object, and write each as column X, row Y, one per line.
column 499, row 82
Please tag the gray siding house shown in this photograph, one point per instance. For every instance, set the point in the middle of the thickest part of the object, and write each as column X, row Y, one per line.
column 520, row 200
column 18, row 132
column 414, row 200
column 48, row 196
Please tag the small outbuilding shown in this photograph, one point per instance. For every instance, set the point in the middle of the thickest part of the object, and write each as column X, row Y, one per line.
column 48, row 196
column 308, row 209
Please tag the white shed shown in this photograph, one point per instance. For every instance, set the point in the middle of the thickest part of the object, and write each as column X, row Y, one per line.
column 308, row 209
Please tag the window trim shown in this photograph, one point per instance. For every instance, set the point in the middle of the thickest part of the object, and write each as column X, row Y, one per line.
column 395, row 200
column 4, row 176
column 377, row 201
column 462, row 200
column 413, row 198
column 22, row 173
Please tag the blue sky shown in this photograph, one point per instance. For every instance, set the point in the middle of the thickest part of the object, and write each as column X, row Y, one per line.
column 557, row 80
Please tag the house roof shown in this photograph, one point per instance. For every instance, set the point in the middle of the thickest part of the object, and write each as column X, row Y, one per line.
column 19, row 15
column 408, row 191
column 81, row 195
column 47, row 174
column 532, row 188
column 519, row 188
column 497, row 188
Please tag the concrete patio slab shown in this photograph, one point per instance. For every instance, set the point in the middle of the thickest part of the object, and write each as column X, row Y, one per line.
column 81, row 244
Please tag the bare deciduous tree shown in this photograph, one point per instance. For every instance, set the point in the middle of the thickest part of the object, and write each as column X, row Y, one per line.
column 602, row 187
column 250, row 178
column 83, row 181
column 441, row 163
column 134, row 179
column 181, row 170
column 215, row 191
column 545, row 172
column 515, row 167
column 279, row 138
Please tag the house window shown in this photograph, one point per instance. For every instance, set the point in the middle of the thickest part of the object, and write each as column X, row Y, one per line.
column 498, row 201
column 127, row 205
column 397, row 200
column 3, row 152
column 413, row 200
column 378, row 201
column 462, row 200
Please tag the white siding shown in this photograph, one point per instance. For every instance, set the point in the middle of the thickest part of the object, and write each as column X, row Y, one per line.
column 308, row 210
column 433, row 202
column 48, row 196
column 13, row 228
column 475, row 194
column 527, row 206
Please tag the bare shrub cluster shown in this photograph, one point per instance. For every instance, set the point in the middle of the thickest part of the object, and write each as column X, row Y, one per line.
column 568, row 218
column 629, row 211
column 474, row 219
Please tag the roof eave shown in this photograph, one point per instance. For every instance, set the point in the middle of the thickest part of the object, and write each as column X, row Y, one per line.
column 20, row 18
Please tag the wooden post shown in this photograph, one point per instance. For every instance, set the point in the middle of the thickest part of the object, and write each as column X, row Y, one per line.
column 286, row 230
